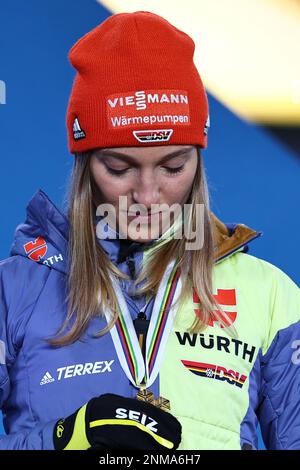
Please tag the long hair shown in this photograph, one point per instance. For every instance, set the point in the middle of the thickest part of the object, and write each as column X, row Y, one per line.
column 89, row 289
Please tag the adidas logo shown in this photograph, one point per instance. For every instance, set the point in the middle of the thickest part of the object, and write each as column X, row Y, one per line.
column 47, row 379
column 78, row 133
column 207, row 125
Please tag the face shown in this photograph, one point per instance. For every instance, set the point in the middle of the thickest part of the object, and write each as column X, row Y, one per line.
column 150, row 178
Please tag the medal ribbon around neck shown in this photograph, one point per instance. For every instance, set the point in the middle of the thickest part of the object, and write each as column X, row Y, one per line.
column 124, row 335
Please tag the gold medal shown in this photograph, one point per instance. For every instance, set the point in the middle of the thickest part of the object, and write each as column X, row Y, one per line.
column 163, row 403
column 148, row 396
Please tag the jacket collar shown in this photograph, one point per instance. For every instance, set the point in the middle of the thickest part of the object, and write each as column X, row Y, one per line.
column 45, row 220
column 230, row 238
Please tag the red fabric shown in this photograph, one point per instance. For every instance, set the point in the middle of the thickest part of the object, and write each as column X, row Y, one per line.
column 135, row 72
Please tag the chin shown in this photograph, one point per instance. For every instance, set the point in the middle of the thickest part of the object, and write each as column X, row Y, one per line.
column 143, row 235
column 141, row 240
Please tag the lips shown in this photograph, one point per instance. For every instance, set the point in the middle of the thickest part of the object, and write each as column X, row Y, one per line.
column 148, row 215
column 144, row 218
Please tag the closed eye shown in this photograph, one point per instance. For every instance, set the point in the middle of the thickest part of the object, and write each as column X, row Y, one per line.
column 173, row 171
column 170, row 170
column 116, row 172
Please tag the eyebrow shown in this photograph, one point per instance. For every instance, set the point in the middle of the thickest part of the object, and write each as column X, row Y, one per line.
column 131, row 159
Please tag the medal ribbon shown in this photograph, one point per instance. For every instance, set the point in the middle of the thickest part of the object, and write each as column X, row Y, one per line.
column 124, row 335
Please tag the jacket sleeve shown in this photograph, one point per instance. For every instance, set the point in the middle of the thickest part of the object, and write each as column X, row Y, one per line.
column 279, row 409
column 40, row 437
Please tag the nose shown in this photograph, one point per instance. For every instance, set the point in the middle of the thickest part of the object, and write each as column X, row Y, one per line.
column 146, row 190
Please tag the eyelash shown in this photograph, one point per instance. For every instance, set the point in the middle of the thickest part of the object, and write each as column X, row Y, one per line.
column 174, row 171
column 116, row 172
column 171, row 171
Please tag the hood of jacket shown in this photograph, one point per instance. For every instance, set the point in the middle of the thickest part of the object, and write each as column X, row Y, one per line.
column 43, row 237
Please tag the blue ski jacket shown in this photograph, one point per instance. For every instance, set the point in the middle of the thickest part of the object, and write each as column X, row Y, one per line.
column 220, row 386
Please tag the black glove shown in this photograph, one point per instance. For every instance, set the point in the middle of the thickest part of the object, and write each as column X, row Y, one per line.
column 115, row 422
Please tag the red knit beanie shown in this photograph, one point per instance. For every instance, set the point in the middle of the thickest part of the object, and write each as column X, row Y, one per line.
column 136, row 85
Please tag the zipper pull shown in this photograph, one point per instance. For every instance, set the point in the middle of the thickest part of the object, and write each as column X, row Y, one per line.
column 142, row 316
column 141, row 325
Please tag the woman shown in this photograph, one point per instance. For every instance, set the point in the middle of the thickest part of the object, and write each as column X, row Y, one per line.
column 117, row 336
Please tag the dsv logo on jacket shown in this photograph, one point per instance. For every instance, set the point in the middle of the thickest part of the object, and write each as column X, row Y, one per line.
column 213, row 371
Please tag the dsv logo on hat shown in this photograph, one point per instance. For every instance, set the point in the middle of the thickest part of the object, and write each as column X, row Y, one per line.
column 153, row 136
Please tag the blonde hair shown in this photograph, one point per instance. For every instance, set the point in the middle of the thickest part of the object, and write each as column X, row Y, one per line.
column 89, row 289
